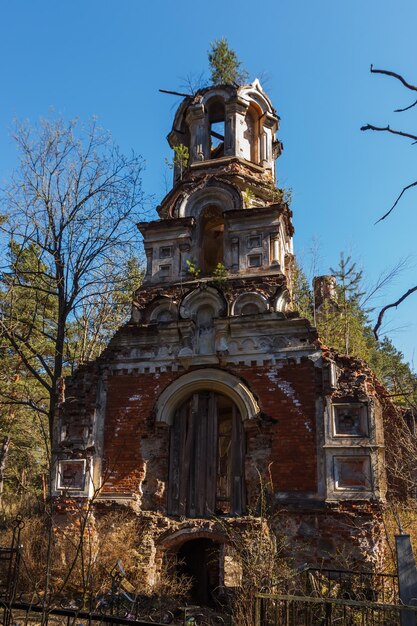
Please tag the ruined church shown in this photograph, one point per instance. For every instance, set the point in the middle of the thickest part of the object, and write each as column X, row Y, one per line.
column 216, row 391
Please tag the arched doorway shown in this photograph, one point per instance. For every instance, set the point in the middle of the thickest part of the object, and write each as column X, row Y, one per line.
column 207, row 456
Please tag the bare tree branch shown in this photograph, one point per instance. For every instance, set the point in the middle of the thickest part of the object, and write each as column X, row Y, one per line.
column 390, row 306
column 406, row 108
column 16, row 402
column 387, row 129
column 414, row 184
column 395, row 75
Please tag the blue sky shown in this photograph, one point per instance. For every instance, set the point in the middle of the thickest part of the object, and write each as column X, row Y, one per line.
column 108, row 58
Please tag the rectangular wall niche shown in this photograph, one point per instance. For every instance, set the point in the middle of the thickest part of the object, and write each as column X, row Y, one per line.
column 255, row 260
column 164, row 270
column 254, row 241
column 165, row 252
column 350, row 420
column 71, row 475
column 352, row 473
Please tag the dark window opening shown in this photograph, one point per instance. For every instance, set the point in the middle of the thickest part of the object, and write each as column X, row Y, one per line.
column 207, row 454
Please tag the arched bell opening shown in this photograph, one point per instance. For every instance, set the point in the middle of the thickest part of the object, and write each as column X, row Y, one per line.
column 207, row 457
column 211, row 239
column 216, row 119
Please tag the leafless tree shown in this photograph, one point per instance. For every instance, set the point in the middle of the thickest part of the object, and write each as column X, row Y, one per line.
column 388, row 129
column 71, row 206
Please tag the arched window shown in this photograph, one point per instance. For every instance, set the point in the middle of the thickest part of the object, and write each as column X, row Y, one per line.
column 212, row 236
column 216, row 114
column 207, row 453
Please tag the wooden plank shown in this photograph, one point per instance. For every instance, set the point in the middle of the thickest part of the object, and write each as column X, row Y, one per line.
column 211, row 455
column 192, row 478
column 174, row 467
column 187, row 460
column 184, row 460
column 238, row 462
column 200, row 454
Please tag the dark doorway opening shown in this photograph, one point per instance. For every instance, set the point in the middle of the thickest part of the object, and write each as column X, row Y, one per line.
column 200, row 560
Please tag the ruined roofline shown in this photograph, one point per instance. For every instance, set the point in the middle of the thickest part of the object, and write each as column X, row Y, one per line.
column 235, row 172
column 356, row 365
column 230, row 89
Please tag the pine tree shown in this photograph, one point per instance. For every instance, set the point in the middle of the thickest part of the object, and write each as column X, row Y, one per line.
column 226, row 69
column 302, row 296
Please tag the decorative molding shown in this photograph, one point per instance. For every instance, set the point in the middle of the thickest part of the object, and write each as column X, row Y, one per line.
column 210, row 379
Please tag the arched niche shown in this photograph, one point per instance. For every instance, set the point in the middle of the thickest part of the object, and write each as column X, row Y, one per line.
column 162, row 310
column 215, row 193
column 211, row 229
column 209, row 379
column 199, row 298
column 250, row 304
column 250, row 144
column 205, row 329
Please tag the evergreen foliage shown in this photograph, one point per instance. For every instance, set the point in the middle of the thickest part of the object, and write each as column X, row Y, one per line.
column 345, row 325
column 302, row 295
column 225, row 67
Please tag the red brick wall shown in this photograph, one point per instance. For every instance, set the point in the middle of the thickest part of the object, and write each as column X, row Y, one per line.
column 130, row 401
column 288, row 395
column 285, row 395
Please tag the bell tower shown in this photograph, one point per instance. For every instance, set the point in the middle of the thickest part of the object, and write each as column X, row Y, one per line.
column 224, row 218
column 226, row 121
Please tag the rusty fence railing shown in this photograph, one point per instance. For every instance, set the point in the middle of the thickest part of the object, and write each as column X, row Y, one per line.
column 287, row 610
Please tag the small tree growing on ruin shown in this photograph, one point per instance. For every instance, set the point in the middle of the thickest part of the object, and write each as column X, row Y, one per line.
column 225, row 67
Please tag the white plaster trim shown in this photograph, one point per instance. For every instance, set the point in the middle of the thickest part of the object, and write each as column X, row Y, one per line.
column 164, row 305
column 226, row 197
column 248, row 298
column 282, row 301
column 201, row 297
column 254, row 93
column 205, row 379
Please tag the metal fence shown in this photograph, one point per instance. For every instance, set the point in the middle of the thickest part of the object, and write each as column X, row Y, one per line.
column 120, row 605
column 351, row 585
column 315, row 597
column 277, row 610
